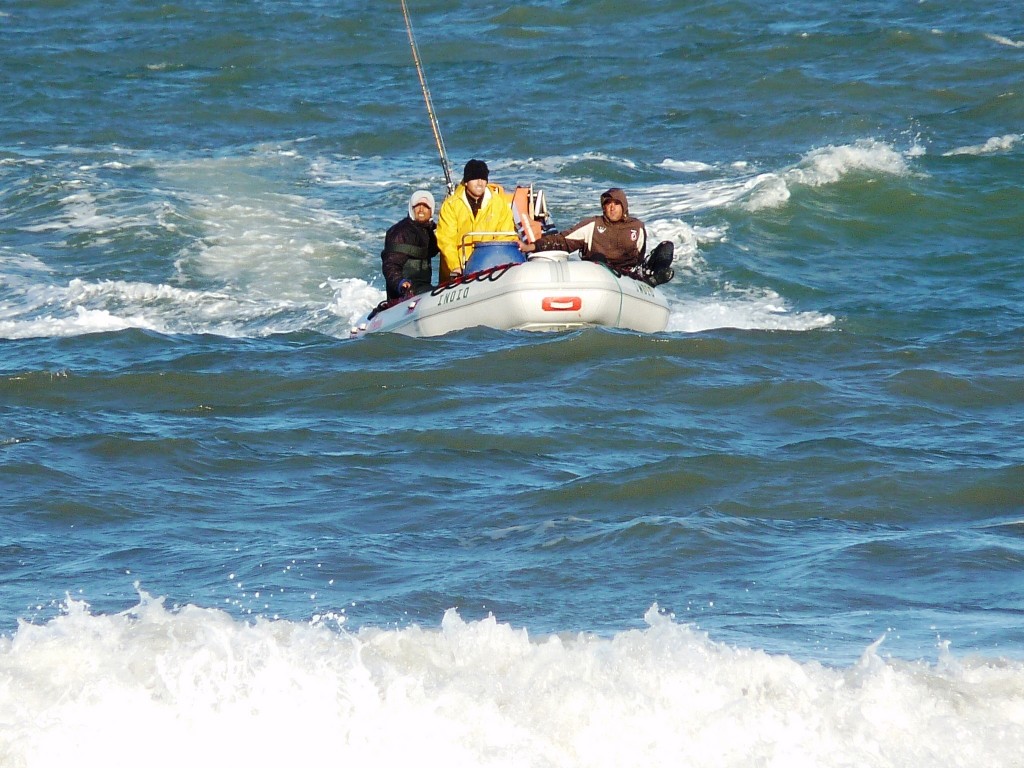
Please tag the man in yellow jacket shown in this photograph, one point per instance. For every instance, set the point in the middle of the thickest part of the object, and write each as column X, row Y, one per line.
column 474, row 206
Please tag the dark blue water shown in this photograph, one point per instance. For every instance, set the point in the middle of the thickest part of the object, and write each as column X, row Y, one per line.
column 787, row 531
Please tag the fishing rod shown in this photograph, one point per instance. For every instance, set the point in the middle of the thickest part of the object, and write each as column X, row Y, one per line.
column 445, row 165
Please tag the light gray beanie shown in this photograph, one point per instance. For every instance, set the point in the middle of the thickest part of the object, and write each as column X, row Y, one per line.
column 421, row 196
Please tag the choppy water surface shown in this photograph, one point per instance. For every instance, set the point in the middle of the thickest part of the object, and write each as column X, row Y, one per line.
column 787, row 531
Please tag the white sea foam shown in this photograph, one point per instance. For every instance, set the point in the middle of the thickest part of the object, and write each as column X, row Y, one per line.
column 670, row 200
column 195, row 687
column 685, row 166
column 258, row 239
column 728, row 306
column 83, row 307
column 18, row 161
column 259, row 259
column 750, row 309
column 269, row 246
column 78, row 322
column 515, row 170
column 687, row 240
column 353, row 299
column 1005, row 41
column 770, row 189
column 993, row 146
column 79, row 211
column 830, row 164
column 823, row 166
column 20, row 269
column 112, row 165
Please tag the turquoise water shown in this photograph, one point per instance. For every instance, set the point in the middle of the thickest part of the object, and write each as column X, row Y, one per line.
column 787, row 531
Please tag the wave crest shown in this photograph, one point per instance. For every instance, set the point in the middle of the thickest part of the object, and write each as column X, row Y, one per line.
column 993, row 146
column 827, row 165
column 209, row 689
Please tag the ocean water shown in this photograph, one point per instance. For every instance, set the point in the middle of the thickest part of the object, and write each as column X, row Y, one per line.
column 786, row 532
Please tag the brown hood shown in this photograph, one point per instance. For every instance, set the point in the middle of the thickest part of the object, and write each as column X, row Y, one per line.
column 619, row 195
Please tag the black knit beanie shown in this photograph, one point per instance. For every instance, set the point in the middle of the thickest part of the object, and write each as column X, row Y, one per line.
column 475, row 169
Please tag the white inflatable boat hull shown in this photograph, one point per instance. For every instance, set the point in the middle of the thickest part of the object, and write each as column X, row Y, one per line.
column 548, row 293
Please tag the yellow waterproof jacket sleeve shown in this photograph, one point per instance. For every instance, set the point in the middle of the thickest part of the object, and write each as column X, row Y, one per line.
column 456, row 219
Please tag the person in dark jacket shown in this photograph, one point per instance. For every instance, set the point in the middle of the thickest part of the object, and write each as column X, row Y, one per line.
column 614, row 238
column 409, row 246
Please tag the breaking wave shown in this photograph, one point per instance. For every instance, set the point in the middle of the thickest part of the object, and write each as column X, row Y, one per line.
column 191, row 685
column 993, row 146
column 824, row 166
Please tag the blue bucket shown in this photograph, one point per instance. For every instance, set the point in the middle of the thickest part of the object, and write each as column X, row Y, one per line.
column 494, row 253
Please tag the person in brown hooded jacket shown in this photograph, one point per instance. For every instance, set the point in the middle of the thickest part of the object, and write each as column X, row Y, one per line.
column 614, row 238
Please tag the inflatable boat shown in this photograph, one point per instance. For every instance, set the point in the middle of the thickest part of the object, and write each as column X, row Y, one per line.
column 502, row 289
